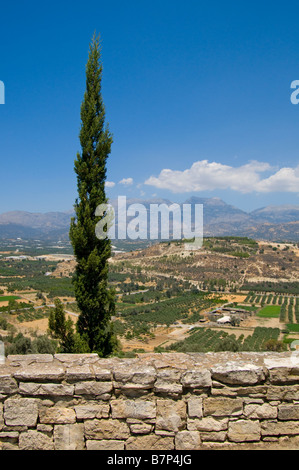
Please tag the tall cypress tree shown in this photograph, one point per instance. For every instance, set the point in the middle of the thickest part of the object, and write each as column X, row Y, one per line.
column 94, row 298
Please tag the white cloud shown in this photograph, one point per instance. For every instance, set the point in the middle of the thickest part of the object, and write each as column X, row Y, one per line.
column 285, row 180
column 204, row 175
column 126, row 181
column 109, row 184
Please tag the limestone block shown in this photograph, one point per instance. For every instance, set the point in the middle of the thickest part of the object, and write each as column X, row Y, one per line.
column 34, row 440
column 142, row 375
column 187, row 440
column 208, row 424
column 221, row 406
column 235, row 374
column 48, row 372
column 102, row 429
column 288, row 412
column 47, row 428
column 93, row 388
column 101, row 373
column 57, row 415
column 195, row 407
column 199, row 378
column 21, row 412
column 105, row 445
column 92, row 410
column 1, row 417
column 171, row 415
column 69, row 436
column 283, row 369
column 150, row 442
column 213, row 436
column 168, row 388
column 139, row 409
column 8, row 385
column 264, row 411
column 280, row 428
column 285, row 393
column 20, row 359
column 77, row 359
column 12, row 435
column 36, row 389
column 81, row 372
column 141, row 428
column 244, row 430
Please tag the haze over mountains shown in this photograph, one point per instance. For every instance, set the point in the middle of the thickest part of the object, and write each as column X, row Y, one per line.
column 273, row 223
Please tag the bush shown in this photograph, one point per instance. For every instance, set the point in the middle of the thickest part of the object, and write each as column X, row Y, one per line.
column 227, row 344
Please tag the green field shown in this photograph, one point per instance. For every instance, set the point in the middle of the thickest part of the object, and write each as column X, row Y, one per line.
column 7, row 298
column 270, row 311
column 293, row 327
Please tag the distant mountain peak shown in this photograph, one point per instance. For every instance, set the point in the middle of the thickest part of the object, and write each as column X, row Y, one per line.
column 268, row 223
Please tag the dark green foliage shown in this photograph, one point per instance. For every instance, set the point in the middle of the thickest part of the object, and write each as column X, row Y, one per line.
column 95, row 300
column 268, row 286
column 205, row 340
column 61, row 328
column 21, row 344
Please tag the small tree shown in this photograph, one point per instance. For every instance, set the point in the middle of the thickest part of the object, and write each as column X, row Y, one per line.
column 61, row 328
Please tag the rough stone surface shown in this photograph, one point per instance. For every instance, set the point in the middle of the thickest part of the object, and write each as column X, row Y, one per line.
column 196, row 379
column 139, row 409
column 1, row 417
column 152, row 442
column 256, row 411
column 187, row 440
column 20, row 412
column 171, row 415
column 8, row 385
column 232, row 373
column 106, row 429
column 69, row 437
column 283, row 428
column 195, row 407
column 57, row 415
column 208, row 424
column 36, row 389
column 92, row 410
column 288, row 412
column 34, row 372
column 158, row 402
column 34, row 440
column 93, row 388
column 105, row 445
column 222, row 406
column 244, row 431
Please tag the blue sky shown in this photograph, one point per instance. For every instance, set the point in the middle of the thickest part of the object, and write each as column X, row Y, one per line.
column 197, row 96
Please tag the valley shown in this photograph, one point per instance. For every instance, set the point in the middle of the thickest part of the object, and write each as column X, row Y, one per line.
column 168, row 298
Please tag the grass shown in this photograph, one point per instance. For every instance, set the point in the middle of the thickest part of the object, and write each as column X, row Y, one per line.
column 7, row 298
column 245, row 307
column 293, row 327
column 270, row 311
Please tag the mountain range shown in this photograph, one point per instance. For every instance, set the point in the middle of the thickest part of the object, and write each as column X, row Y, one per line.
column 273, row 223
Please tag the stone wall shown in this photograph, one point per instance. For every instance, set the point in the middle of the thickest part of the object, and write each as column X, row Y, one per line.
column 152, row 402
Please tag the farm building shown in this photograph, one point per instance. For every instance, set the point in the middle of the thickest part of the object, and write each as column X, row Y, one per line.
column 224, row 320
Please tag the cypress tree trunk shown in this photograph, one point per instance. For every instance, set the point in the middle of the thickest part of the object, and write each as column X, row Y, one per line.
column 95, row 300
